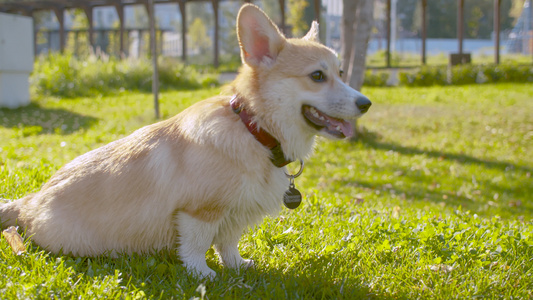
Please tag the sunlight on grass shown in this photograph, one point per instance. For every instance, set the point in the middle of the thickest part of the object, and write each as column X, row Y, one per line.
column 432, row 200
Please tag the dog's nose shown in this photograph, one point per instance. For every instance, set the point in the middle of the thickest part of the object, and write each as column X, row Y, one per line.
column 363, row 104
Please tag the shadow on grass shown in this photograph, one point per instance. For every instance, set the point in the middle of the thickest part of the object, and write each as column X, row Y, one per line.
column 162, row 276
column 35, row 119
column 373, row 140
column 486, row 189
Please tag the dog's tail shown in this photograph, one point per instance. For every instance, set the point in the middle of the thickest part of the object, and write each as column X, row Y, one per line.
column 9, row 212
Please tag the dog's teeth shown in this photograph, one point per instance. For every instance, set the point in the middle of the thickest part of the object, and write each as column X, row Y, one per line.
column 338, row 128
column 321, row 118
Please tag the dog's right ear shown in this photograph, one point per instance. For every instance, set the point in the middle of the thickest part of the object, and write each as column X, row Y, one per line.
column 259, row 39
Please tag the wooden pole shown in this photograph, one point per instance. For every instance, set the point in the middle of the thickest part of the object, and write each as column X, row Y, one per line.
column 424, row 30
column 497, row 31
column 282, row 11
column 388, row 33
column 60, row 15
column 89, row 13
column 317, row 10
column 460, row 29
column 49, row 40
column 76, row 46
column 216, row 50
column 120, row 12
column 139, row 44
column 153, row 44
column 183, row 12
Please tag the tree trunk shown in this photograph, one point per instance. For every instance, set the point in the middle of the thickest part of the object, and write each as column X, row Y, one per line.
column 347, row 33
column 363, row 28
column 356, row 27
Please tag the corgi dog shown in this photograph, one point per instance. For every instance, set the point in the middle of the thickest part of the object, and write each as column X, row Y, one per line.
column 200, row 178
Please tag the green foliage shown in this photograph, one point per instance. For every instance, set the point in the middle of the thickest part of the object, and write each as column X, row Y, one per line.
column 68, row 76
column 229, row 63
column 81, row 46
column 296, row 17
column 380, row 56
column 508, row 73
column 466, row 74
column 432, row 201
column 376, row 78
column 198, row 36
column 463, row 74
column 425, row 76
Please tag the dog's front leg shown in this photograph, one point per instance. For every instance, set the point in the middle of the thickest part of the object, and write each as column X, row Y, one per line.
column 226, row 245
column 195, row 238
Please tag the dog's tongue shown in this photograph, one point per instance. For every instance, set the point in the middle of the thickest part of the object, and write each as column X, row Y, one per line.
column 345, row 126
column 336, row 127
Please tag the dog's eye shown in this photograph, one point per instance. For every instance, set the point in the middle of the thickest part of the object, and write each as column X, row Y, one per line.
column 341, row 72
column 318, row 76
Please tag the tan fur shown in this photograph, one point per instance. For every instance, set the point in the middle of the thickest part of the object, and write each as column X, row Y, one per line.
column 199, row 178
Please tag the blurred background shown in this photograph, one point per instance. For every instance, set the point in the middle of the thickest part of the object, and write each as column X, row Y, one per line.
column 516, row 32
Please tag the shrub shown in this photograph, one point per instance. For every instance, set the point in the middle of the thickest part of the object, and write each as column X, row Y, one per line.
column 508, row 73
column 68, row 76
column 466, row 74
column 380, row 57
column 378, row 79
column 462, row 74
column 425, row 76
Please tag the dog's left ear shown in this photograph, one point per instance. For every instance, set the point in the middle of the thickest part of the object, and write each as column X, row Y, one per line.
column 259, row 39
column 312, row 35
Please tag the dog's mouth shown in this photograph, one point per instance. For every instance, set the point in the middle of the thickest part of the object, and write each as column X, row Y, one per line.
column 320, row 121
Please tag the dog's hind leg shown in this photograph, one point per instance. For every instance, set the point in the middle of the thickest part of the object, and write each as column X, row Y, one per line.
column 195, row 238
column 9, row 212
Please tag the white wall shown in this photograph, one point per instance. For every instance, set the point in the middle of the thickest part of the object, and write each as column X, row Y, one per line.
column 16, row 59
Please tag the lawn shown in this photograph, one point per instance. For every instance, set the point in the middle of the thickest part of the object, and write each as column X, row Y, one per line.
column 433, row 200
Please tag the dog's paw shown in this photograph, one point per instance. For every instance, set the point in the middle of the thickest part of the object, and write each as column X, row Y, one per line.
column 247, row 264
column 200, row 270
column 244, row 264
column 210, row 274
column 206, row 273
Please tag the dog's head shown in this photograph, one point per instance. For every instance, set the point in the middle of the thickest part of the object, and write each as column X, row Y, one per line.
column 294, row 83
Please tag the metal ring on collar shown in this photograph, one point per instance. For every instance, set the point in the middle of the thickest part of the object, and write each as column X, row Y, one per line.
column 299, row 171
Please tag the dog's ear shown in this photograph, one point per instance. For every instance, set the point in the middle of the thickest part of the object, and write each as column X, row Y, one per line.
column 312, row 35
column 259, row 39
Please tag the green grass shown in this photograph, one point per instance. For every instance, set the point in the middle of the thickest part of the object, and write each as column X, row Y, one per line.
column 432, row 201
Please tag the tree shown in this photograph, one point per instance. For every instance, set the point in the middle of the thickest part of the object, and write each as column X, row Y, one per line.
column 296, row 17
column 356, row 27
column 198, row 36
column 201, row 10
column 79, row 47
column 229, row 41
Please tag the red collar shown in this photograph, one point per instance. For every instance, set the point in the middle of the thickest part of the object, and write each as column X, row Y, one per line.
column 265, row 138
